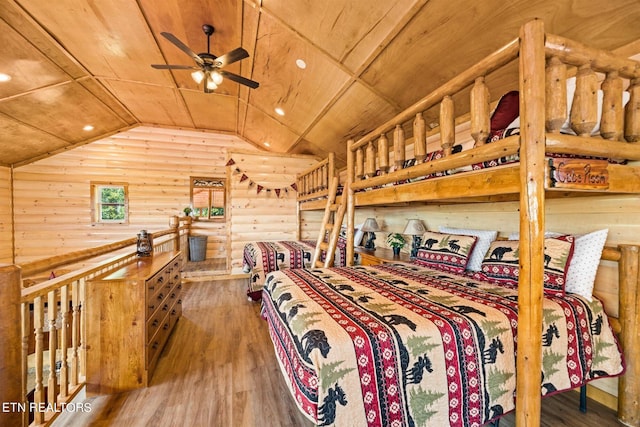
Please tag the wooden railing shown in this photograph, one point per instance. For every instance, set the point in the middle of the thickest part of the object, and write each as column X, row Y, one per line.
column 44, row 325
column 378, row 158
column 314, row 182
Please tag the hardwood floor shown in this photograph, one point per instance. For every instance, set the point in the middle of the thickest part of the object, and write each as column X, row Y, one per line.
column 219, row 369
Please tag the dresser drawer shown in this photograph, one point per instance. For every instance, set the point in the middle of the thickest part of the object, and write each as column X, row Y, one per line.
column 156, row 320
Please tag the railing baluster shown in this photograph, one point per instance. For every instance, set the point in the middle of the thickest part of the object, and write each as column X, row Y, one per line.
column 38, row 323
column 75, row 331
column 419, row 138
column 52, row 311
column 556, row 95
column 447, row 125
column 64, row 344
column 632, row 113
column 26, row 332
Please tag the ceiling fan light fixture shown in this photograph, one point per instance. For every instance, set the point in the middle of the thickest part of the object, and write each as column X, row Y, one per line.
column 217, row 77
column 210, row 84
column 197, row 76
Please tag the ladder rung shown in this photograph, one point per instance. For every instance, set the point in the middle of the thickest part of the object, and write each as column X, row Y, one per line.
column 328, row 226
column 324, row 246
column 319, row 264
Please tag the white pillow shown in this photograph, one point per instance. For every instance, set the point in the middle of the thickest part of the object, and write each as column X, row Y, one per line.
column 485, row 238
column 547, row 234
column 581, row 274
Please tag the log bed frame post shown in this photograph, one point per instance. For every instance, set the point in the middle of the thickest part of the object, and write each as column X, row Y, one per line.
column 348, row 193
column 532, row 208
column 629, row 315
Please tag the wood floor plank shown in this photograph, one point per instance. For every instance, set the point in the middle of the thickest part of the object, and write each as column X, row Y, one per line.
column 219, row 369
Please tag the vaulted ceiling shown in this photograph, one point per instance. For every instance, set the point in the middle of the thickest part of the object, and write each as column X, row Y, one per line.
column 87, row 62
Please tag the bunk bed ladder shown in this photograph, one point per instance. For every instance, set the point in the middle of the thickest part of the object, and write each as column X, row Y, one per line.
column 330, row 228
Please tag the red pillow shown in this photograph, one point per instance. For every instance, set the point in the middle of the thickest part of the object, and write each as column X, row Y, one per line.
column 507, row 110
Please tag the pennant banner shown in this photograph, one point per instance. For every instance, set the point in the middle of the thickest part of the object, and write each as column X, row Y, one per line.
column 259, row 188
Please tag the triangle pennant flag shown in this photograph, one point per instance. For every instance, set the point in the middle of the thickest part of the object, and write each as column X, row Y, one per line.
column 243, row 177
column 230, row 162
column 277, row 190
column 294, row 186
column 260, row 187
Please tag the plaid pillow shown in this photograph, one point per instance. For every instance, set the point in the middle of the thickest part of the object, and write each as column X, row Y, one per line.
column 447, row 252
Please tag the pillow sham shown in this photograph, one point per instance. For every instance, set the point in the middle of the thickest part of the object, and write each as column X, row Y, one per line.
column 446, row 252
column 501, row 263
column 485, row 237
column 583, row 267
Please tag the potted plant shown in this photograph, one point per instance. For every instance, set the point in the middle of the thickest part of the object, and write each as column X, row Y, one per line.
column 396, row 241
column 187, row 211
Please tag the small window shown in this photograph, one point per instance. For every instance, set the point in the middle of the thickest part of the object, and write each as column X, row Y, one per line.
column 208, row 198
column 109, row 203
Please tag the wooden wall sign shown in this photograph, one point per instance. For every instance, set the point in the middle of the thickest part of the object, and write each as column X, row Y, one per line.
column 578, row 173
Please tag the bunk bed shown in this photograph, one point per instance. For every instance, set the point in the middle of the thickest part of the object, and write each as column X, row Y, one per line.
column 355, row 343
column 261, row 257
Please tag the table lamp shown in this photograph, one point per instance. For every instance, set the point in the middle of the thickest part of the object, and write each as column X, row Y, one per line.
column 370, row 227
column 415, row 228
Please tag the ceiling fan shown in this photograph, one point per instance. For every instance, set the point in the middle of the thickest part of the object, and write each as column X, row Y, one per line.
column 209, row 68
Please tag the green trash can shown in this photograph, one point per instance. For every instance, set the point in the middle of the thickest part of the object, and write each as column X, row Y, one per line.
column 197, row 248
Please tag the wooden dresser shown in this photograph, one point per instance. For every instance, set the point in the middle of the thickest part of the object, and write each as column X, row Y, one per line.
column 130, row 314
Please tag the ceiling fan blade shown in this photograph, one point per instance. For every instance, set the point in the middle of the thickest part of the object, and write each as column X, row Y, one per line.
column 174, row 67
column 231, row 57
column 183, row 47
column 239, row 79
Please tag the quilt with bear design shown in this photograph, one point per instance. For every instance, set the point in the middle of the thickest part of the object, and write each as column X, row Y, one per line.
column 403, row 345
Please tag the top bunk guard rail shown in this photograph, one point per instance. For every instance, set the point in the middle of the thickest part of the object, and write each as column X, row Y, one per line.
column 313, row 183
column 544, row 62
column 378, row 158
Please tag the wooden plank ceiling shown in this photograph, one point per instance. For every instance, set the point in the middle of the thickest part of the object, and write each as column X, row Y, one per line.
column 79, row 62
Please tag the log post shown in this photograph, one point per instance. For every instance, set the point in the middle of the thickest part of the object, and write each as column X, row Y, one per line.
column 359, row 166
column 174, row 223
column 532, row 208
column 447, row 125
column 632, row 113
column 480, row 120
column 612, row 121
column 398, row 147
column 584, row 110
column 370, row 160
column 383, row 154
column 629, row 314
column 349, row 194
column 11, row 347
column 419, row 138
column 556, row 94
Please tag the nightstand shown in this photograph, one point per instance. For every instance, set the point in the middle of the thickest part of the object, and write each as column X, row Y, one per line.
column 379, row 256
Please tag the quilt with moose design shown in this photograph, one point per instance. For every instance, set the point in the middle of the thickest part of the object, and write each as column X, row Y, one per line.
column 260, row 258
column 403, row 345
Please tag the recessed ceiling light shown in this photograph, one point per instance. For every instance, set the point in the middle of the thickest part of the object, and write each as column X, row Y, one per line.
column 266, row 144
column 279, row 111
column 87, row 128
column 4, row 77
column 301, row 64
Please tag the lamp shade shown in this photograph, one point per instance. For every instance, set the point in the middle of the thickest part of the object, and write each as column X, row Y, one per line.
column 370, row 225
column 414, row 227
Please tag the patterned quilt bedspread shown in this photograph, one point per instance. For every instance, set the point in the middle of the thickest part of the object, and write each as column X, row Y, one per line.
column 260, row 258
column 402, row 345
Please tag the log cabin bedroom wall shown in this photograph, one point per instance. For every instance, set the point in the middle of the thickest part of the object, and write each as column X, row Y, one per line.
column 52, row 201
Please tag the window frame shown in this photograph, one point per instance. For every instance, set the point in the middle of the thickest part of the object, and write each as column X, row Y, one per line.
column 96, row 203
column 192, row 186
